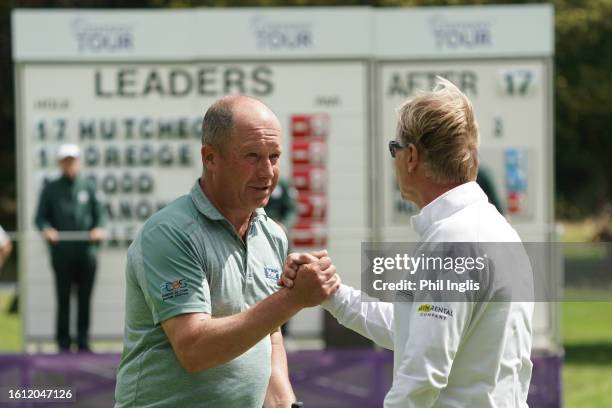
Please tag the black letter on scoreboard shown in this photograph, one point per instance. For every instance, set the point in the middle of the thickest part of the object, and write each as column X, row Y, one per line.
column 234, row 81
column 98, row 86
column 125, row 81
column 180, row 82
column 261, row 76
column 153, row 83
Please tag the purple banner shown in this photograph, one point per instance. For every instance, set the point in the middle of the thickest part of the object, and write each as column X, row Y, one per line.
column 322, row 379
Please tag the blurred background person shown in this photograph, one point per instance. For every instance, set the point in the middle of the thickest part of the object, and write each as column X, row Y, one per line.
column 282, row 206
column 485, row 180
column 69, row 203
column 6, row 247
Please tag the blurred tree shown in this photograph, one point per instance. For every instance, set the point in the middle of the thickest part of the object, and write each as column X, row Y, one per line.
column 583, row 114
column 583, row 89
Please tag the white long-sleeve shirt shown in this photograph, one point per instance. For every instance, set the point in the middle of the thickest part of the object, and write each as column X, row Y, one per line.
column 479, row 356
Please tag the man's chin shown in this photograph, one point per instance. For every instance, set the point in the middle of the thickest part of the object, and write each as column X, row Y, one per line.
column 262, row 202
column 407, row 197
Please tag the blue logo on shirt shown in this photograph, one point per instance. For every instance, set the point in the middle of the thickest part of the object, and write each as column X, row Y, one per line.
column 173, row 289
column 272, row 273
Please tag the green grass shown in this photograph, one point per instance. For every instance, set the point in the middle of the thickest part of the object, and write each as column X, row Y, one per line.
column 582, row 231
column 587, row 327
column 10, row 327
column 587, row 322
column 587, row 373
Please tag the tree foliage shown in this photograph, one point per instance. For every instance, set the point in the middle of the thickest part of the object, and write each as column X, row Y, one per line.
column 583, row 106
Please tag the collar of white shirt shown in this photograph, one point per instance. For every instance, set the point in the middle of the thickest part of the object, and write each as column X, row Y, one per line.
column 446, row 205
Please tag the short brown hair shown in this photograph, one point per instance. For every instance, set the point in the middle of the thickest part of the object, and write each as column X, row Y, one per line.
column 442, row 125
column 218, row 123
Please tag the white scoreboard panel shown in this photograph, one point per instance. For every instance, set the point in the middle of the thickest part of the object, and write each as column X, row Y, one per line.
column 138, row 126
column 511, row 103
column 130, row 87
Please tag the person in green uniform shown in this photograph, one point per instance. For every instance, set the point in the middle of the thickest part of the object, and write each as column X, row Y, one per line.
column 70, row 218
column 282, row 206
column 203, row 305
column 486, row 182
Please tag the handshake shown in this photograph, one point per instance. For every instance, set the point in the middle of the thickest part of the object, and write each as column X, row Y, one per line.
column 310, row 277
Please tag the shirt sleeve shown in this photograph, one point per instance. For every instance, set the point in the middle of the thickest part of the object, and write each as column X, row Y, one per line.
column 41, row 219
column 434, row 334
column 366, row 316
column 97, row 210
column 173, row 277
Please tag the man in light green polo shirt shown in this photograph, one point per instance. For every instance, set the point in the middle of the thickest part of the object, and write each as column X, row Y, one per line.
column 203, row 306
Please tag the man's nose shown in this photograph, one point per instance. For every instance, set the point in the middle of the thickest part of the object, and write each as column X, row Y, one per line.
column 265, row 169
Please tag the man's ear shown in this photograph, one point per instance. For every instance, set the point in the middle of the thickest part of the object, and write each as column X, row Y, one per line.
column 210, row 157
column 412, row 157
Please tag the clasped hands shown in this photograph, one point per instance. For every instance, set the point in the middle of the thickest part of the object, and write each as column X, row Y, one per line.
column 311, row 277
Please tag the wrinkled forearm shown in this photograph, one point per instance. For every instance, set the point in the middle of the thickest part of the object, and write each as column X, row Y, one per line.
column 204, row 343
column 279, row 393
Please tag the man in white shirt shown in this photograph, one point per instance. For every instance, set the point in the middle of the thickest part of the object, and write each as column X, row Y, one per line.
column 478, row 353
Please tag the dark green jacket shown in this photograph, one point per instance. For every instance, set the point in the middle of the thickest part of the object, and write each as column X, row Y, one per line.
column 282, row 206
column 485, row 180
column 69, row 205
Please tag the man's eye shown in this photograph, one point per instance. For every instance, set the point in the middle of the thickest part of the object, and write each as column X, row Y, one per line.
column 252, row 156
column 274, row 158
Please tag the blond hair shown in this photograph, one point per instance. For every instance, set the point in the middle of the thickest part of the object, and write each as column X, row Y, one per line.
column 442, row 125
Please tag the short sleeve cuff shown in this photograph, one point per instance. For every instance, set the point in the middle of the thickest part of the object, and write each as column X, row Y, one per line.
column 171, row 312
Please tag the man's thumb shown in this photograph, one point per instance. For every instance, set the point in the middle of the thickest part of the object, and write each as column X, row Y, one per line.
column 320, row 253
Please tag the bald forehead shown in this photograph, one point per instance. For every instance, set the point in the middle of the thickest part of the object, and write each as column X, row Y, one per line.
column 249, row 112
column 232, row 118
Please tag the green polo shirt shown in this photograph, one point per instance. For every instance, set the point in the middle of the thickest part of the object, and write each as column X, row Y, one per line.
column 188, row 258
